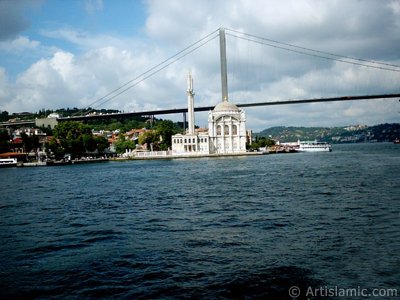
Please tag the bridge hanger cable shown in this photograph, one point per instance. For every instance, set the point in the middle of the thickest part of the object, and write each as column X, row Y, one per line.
column 261, row 40
column 150, row 70
column 314, row 55
column 314, row 50
column 155, row 70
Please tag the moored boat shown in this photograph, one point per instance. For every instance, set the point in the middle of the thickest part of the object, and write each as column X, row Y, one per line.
column 314, row 147
column 8, row 162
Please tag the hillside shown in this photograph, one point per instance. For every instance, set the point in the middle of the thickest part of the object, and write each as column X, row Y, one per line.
column 348, row 134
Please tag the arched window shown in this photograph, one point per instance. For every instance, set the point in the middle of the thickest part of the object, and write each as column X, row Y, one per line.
column 234, row 130
column 226, row 130
column 219, row 130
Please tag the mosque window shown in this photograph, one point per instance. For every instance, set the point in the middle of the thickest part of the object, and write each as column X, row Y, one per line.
column 234, row 130
column 226, row 130
column 219, row 130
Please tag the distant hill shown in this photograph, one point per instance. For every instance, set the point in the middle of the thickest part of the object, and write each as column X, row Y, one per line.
column 348, row 134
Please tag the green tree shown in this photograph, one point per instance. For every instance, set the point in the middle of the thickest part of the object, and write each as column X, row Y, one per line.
column 264, row 142
column 123, row 144
column 76, row 139
column 4, row 141
column 27, row 142
column 101, row 143
column 89, row 142
column 71, row 130
column 75, row 146
column 4, row 116
column 260, row 142
column 148, row 137
column 54, row 148
column 165, row 129
column 35, row 142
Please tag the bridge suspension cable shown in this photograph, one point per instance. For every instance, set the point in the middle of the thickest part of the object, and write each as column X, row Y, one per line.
column 150, row 72
column 313, row 52
column 240, row 35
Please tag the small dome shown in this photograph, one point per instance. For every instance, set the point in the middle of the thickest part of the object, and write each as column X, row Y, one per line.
column 226, row 106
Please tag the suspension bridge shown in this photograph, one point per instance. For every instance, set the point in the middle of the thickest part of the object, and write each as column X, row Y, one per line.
column 224, row 86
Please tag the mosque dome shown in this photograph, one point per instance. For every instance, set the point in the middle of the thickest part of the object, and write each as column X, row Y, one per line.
column 226, row 106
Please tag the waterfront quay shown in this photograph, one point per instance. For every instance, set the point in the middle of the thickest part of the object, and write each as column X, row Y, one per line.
column 61, row 162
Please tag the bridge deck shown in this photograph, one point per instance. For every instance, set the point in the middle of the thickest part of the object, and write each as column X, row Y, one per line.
column 207, row 108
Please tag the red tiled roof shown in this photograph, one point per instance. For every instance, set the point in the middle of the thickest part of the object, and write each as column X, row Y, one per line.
column 17, row 141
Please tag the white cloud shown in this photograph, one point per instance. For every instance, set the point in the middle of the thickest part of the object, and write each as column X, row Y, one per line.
column 86, row 41
column 19, row 44
column 365, row 29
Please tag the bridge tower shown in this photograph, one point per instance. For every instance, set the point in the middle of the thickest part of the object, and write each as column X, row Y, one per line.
column 224, row 76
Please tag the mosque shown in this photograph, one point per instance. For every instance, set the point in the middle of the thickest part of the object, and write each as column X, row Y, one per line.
column 226, row 130
column 226, row 122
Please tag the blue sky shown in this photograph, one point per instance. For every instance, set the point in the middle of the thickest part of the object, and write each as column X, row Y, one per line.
column 122, row 18
column 58, row 53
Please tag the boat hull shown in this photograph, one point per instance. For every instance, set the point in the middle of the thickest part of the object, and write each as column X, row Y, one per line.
column 314, row 147
column 315, row 150
column 8, row 165
column 8, row 162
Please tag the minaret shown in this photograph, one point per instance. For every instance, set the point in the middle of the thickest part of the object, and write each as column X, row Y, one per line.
column 190, row 95
column 224, row 76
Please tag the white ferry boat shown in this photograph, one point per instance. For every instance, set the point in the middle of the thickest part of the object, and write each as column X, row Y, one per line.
column 314, row 147
column 8, row 162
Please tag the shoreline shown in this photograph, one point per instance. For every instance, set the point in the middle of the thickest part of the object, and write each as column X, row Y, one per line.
column 60, row 163
column 100, row 160
column 178, row 156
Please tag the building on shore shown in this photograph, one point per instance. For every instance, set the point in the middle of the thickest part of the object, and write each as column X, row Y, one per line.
column 226, row 130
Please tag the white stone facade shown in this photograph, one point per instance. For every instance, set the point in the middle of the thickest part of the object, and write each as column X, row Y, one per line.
column 190, row 144
column 226, row 133
column 227, row 129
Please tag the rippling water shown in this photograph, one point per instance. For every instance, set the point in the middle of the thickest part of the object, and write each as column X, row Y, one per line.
column 211, row 228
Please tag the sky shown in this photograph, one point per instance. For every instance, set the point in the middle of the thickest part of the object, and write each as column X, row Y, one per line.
column 59, row 54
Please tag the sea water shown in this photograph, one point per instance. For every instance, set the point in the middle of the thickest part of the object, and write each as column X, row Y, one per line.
column 210, row 228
